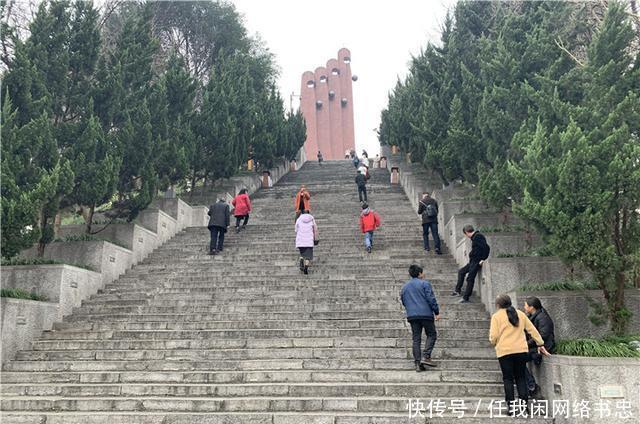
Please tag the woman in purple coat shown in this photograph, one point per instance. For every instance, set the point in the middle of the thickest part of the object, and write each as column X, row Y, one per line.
column 306, row 238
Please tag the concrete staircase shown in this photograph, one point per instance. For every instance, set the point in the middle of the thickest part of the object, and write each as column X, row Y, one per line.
column 244, row 337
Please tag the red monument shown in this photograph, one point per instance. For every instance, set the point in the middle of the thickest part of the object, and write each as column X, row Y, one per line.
column 326, row 102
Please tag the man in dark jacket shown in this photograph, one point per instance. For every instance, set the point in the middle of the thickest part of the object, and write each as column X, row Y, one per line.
column 479, row 253
column 428, row 209
column 422, row 309
column 544, row 324
column 219, row 214
column 361, row 181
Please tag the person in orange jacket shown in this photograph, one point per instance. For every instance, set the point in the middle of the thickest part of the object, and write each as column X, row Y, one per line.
column 302, row 201
column 369, row 222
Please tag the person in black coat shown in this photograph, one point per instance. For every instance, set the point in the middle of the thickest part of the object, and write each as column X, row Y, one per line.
column 479, row 253
column 219, row 216
column 361, row 181
column 428, row 209
column 544, row 324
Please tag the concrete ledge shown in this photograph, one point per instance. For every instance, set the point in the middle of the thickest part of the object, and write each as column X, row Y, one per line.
column 575, row 378
column 66, row 285
column 199, row 216
column 139, row 240
column 502, row 275
column 177, row 209
column 159, row 222
column 452, row 233
column 23, row 320
column 570, row 311
column 106, row 258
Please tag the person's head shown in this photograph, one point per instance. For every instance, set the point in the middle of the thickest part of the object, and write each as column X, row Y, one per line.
column 532, row 304
column 304, row 211
column 319, row 152
column 303, row 188
column 415, row 271
column 503, row 301
column 468, row 230
column 243, row 191
column 426, row 195
column 365, row 205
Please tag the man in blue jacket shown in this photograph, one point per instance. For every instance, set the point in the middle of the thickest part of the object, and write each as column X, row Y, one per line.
column 422, row 310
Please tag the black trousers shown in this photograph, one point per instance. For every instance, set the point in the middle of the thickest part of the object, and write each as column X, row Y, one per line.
column 514, row 368
column 217, row 238
column 362, row 193
column 430, row 331
column 470, row 270
column 240, row 218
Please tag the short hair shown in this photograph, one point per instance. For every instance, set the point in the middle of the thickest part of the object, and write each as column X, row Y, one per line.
column 415, row 271
column 534, row 302
column 243, row 191
column 426, row 193
column 468, row 229
column 365, row 205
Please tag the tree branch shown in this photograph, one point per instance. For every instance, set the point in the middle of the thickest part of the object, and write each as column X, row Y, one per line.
column 564, row 49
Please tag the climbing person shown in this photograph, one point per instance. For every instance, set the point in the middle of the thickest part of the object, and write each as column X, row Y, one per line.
column 356, row 161
column 428, row 209
column 369, row 222
column 242, row 207
column 219, row 215
column 320, row 158
column 361, row 182
column 507, row 333
column 478, row 254
column 302, row 201
column 540, row 319
column 306, row 238
column 347, row 154
column 422, row 309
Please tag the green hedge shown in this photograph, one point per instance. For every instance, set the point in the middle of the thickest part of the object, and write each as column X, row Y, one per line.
column 89, row 237
column 22, row 294
column 608, row 347
column 18, row 261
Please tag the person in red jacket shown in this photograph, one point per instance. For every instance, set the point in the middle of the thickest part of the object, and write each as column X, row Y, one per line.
column 242, row 205
column 369, row 222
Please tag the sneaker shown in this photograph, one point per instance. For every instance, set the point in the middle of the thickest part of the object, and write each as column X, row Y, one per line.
column 426, row 249
column 455, row 293
column 463, row 301
column 369, row 249
column 438, row 252
column 301, row 263
column 428, row 362
column 306, row 270
column 237, row 230
column 212, row 252
column 420, row 367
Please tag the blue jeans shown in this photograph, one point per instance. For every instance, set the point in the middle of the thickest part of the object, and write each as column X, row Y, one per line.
column 368, row 239
column 434, row 233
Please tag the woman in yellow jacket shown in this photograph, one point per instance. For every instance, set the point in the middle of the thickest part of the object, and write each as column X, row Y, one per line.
column 507, row 334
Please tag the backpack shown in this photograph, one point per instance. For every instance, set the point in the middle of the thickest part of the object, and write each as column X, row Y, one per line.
column 430, row 210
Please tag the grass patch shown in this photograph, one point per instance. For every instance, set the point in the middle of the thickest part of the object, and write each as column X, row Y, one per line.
column 561, row 285
column 608, row 347
column 22, row 294
column 538, row 252
column 18, row 261
column 89, row 237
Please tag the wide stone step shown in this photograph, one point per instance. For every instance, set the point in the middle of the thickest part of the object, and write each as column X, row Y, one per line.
column 343, row 365
column 253, row 353
column 434, row 375
column 262, row 418
column 136, row 323
column 336, row 335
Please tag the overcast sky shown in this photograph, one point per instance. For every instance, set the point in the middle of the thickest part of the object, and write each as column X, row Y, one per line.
column 381, row 36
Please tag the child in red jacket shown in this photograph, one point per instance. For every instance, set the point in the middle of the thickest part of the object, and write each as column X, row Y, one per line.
column 369, row 222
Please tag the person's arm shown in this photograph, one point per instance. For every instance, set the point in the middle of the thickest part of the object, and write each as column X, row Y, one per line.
column 420, row 208
column 377, row 221
column 249, row 203
column 315, row 230
column 531, row 329
column 227, row 216
column 545, row 328
column 493, row 331
column 361, row 224
column 431, row 298
column 402, row 297
column 437, row 209
column 233, row 202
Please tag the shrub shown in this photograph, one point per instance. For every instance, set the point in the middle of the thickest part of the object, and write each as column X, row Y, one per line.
column 22, row 294
column 608, row 347
column 19, row 261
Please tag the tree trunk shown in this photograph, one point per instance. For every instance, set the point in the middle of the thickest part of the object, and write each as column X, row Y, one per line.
column 193, row 185
column 89, row 218
column 41, row 243
column 618, row 314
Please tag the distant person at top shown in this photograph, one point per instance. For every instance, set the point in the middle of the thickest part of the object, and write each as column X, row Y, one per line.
column 302, row 201
column 478, row 254
column 365, row 154
column 306, row 238
column 320, row 158
column 219, row 215
column 347, row 154
column 540, row 319
column 355, row 160
column 242, row 205
column 507, row 333
column 369, row 222
column 361, row 182
column 422, row 308
column 428, row 209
